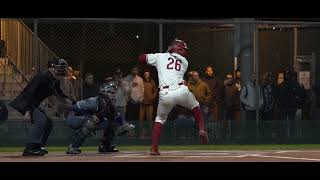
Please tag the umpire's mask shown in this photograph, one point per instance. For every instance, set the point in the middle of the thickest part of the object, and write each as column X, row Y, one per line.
column 61, row 67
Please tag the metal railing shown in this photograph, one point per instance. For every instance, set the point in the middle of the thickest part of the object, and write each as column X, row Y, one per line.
column 25, row 55
column 23, row 47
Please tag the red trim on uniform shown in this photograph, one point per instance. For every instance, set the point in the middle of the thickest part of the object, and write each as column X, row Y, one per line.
column 198, row 117
column 143, row 58
column 156, row 135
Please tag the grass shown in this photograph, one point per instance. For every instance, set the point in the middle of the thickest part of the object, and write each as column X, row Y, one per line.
column 187, row 147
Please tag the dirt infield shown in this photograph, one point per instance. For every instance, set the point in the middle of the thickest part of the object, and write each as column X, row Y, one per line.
column 174, row 156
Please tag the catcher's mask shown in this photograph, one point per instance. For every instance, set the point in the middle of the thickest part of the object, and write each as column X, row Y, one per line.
column 108, row 90
column 179, row 47
column 61, row 67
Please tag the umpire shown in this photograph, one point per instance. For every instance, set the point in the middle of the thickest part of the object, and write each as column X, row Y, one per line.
column 43, row 85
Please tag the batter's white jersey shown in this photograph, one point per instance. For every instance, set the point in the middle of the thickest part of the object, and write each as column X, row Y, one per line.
column 171, row 68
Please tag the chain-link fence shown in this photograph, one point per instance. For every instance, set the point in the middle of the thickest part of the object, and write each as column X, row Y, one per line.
column 286, row 75
column 282, row 55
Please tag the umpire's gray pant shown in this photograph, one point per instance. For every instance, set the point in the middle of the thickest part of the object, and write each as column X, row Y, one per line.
column 40, row 129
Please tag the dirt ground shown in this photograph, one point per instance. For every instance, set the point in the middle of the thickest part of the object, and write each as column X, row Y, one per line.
column 173, row 156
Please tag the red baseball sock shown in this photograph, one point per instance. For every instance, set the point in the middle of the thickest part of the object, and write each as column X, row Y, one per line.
column 198, row 117
column 156, row 135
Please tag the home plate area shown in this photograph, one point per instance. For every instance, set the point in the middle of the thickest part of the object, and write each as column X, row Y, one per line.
column 173, row 156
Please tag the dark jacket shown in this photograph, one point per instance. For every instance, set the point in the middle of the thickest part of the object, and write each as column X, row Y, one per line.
column 201, row 92
column 232, row 95
column 216, row 88
column 290, row 95
column 39, row 88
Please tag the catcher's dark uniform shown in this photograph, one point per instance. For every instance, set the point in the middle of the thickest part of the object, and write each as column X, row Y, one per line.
column 92, row 114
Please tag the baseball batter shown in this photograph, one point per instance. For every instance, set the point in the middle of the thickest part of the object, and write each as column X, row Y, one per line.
column 171, row 67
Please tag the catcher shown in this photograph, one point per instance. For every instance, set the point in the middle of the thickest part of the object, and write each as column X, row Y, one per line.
column 97, row 113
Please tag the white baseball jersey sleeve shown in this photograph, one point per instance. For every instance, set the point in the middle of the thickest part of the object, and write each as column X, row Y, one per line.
column 170, row 66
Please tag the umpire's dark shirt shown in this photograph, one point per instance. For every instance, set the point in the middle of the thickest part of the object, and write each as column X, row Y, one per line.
column 39, row 88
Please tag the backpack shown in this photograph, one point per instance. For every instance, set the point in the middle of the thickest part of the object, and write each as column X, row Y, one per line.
column 3, row 112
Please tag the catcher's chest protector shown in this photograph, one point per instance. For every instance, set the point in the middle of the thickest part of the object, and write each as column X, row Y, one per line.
column 105, row 109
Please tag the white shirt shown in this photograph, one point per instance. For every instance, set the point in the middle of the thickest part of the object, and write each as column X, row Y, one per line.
column 170, row 66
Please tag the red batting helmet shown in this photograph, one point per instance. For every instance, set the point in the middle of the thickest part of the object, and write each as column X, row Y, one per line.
column 179, row 47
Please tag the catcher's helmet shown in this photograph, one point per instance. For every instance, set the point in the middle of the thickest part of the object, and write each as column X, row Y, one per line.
column 108, row 90
column 178, row 46
column 60, row 65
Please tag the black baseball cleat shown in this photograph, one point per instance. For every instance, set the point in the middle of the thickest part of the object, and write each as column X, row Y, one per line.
column 33, row 152
column 44, row 150
column 104, row 149
column 73, row 150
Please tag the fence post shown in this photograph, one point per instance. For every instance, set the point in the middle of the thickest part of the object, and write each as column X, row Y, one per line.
column 160, row 37
column 295, row 50
column 256, row 60
column 35, row 45
column 314, row 83
column 246, row 34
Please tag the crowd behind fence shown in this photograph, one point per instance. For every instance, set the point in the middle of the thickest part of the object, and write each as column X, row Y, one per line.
column 279, row 97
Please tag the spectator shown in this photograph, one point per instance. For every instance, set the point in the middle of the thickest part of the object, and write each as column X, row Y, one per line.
column 77, row 84
column 248, row 98
column 238, row 79
column 135, row 95
column 286, row 102
column 201, row 91
column 121, row 93
column 67, row 88
column 231, row 99
column 147, row 104
column 90, row 89
column 216, row 88
column 184, row 122
column 280, row 78
column 290, row 98
column 301, row 94
column 268, row 90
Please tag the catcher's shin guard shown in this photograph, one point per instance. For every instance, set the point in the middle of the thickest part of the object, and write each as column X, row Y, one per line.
column 73, row 150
